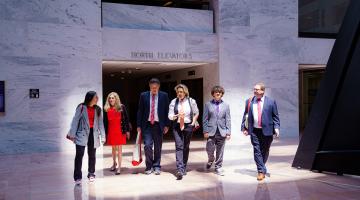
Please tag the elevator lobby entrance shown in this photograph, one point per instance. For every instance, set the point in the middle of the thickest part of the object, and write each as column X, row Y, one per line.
column 129, row 79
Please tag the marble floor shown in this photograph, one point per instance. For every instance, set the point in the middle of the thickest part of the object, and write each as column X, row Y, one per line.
column 49, row 176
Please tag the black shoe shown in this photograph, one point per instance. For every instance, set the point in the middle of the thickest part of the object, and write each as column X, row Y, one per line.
column 179, row 175
column 208, row 165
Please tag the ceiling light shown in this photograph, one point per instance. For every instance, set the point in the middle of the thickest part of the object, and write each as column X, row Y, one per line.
column 168, row 3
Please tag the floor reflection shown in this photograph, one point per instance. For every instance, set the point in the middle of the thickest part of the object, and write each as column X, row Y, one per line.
column 49, row 176
column 262, row 192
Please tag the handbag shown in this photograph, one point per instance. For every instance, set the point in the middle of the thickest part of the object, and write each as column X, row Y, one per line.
column 137, row 157
column 196, row 125
column 247, row 114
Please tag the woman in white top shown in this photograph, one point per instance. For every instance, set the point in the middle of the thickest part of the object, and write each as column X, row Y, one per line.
column 183, row 111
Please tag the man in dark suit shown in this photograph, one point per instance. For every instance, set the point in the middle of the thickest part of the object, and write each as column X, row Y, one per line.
column 152, row 123
column 262, row 124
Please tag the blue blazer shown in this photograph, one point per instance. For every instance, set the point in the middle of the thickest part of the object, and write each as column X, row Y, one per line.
column 144, row 110
column 269, row 117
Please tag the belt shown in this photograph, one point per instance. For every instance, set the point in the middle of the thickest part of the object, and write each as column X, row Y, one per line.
column 184, row 123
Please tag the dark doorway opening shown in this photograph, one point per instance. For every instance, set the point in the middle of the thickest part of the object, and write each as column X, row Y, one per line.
column 129, row 86
column 309, row 84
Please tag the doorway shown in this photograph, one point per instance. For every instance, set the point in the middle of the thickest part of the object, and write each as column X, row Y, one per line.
column 130, row 79
column 309, row 84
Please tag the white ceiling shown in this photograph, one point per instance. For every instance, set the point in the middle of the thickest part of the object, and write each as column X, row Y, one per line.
column 140, row 69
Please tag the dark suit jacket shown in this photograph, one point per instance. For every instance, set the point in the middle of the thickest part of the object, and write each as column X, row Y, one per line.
column 269, row 117
column 144, row 110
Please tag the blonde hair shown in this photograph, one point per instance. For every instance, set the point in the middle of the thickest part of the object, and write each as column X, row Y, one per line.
column 117, row 102
column 186, row 90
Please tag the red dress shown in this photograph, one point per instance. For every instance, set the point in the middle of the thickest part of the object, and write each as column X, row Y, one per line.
column 115, row 136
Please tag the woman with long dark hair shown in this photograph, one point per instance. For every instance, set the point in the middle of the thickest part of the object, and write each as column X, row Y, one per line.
column 87, row 129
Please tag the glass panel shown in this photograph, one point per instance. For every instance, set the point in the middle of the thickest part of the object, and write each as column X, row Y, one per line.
column 192, row 4
column 321, row 16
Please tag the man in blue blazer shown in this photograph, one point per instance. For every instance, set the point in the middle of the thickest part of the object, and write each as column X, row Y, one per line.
column 262, row 124
column 152, row 123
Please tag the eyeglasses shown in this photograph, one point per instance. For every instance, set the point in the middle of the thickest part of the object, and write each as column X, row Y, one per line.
column 255, row 89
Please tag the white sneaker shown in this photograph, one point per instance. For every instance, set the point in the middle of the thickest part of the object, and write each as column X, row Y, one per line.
column 78, row 182
column 220, row 172
column 91, row 179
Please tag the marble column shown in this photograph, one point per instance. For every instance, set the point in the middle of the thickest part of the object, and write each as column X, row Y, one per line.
column 258, row 43
column 47, row 45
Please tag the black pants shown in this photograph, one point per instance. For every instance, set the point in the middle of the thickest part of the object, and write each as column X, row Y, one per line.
column 79, row 158
column 182, row 143
column 152, row 136
column 261, row 144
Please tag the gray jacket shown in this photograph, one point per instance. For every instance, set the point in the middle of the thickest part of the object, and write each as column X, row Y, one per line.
column 213, row 121
column 80, row 127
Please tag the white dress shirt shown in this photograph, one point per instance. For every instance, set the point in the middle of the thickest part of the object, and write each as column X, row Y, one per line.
column 187, row 109
column 156, row 116
column 255, row 111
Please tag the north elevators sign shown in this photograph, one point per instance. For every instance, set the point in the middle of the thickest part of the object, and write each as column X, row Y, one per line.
column 175, row 56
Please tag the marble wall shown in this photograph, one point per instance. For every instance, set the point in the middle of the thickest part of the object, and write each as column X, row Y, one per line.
column 258, row 43
column 58, row 46
column 118, row 44
column 128, row 16
column 315, row 51
column 46, row 45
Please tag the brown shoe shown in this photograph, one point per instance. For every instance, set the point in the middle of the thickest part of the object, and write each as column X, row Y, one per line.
column 260, row 176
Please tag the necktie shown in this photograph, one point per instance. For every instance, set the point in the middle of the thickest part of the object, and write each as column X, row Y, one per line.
column 259, row 112
column 182, row 116
column 152, row 113
column 217, row 107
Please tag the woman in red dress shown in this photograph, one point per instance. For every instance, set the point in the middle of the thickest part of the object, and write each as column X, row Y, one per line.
column 116, row 123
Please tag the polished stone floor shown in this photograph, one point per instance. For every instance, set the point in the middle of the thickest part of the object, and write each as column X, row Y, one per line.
column 49, row 176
